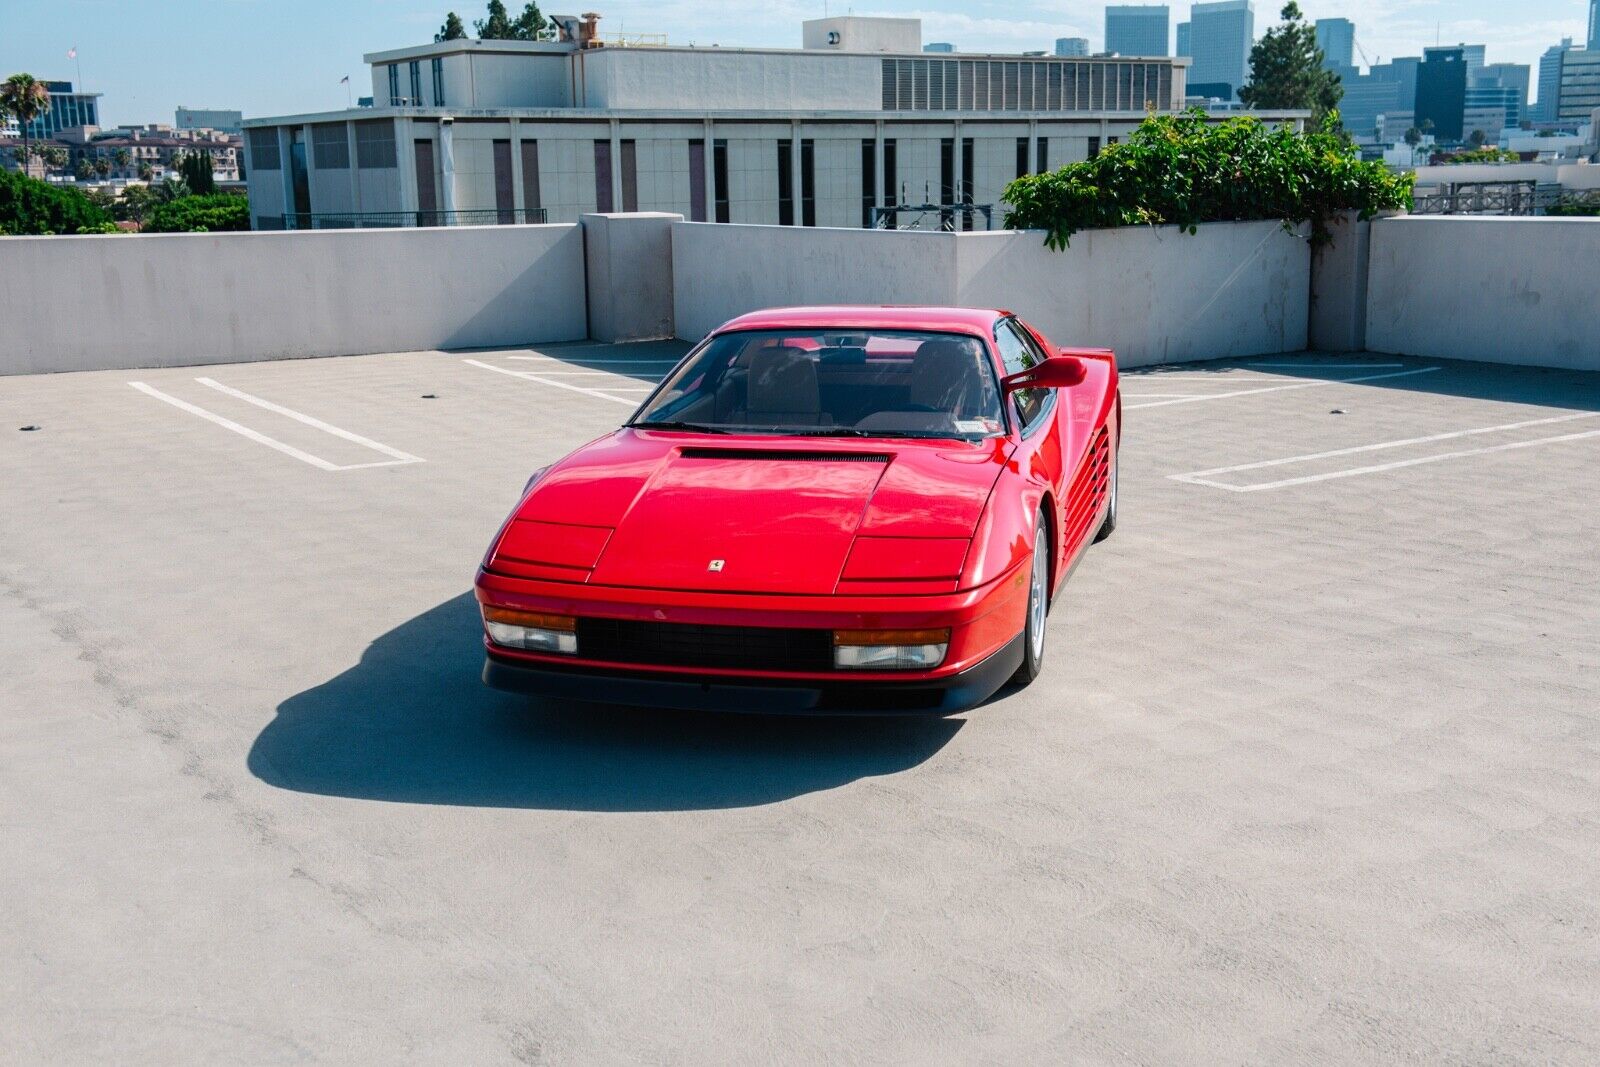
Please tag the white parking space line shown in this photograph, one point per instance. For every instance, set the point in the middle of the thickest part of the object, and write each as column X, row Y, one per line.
column 582, row 361
column 261, row 438
column 1328, row 366
column 1154, row 396
column 376, row 446
column 1284, row 388
column 588, row 374
column 1206, row 477
column 525, row 376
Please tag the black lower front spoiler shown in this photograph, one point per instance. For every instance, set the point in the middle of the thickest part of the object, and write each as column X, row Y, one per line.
column 765, row 697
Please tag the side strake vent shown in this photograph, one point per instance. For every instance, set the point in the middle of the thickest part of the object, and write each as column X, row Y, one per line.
column 784, row 455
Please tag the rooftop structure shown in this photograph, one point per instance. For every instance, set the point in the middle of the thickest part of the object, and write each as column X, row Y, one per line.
column 832, row 134
column 1072, row 46
column 189, row 118
column 68, row 108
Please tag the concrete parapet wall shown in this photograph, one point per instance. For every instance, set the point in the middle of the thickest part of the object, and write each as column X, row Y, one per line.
column 629, row 262
column 1501, row 290
column 163, row 300
column 1154, row 294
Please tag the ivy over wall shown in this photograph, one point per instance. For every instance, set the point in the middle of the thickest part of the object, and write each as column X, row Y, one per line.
column 1183, row 170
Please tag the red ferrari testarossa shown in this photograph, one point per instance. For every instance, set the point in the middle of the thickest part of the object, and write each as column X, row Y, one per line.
column 826, row 509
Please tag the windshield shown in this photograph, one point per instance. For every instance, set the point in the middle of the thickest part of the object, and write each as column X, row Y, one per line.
column 848, row 383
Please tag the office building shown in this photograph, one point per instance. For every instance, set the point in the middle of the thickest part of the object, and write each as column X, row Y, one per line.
column 1337, row 39
column 1544, row 109
column 1594, row 25
column 502, row 131
column 1476, row 57
column 189, row 118
column 1579, row 95
column 1184, row 48
column 1220, row 37
column 1388, row 88
column 68, row 109
column 1504, row 86
column 1442, row 92
column 939, row 47
column 1137, row 30
column 1072, row 46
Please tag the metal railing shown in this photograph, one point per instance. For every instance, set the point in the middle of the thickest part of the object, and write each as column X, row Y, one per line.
column 363, row 220
column 1488, row 198
column 933, row 217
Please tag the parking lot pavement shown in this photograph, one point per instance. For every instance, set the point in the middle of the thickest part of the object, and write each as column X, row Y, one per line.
column 1313, row 774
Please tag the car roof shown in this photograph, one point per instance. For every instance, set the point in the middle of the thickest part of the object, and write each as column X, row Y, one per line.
column 863, row 316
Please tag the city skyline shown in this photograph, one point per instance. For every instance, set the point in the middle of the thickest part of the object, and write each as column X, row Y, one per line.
column 301, row 50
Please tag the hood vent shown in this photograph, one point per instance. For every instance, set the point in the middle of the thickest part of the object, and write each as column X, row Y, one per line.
column 785, row 455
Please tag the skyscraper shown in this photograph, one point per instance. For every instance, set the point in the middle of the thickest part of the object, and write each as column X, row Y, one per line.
column 1511, row 81
column 1220, row 37
column 1337, row 39
column 1550, row 80
column 1442, row 91
column 1137, row 30
column 1594, row 25
column 1184, row 48
column 1072, row 46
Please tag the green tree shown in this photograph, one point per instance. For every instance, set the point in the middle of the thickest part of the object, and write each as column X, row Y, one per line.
column 531, row 25
column 27, row 99
column 84, row 170
column 200, row 214
column 497, row 27
column 1286, row 69
column 1413, row 137
column 28, row 206
column 168, row 190
column 452, row 30
column 102, row 166
column 135, row 203
column 53, row 155
column 146, row 171
column 121, row 156
column 196, row 169
column 1478, row 139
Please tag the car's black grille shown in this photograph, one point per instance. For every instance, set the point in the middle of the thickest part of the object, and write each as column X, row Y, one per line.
column 686, row 645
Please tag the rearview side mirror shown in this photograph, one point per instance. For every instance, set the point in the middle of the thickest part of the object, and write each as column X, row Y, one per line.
column 1057, row 372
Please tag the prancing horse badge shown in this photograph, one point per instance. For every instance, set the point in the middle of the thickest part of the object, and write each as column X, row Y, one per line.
column 715, row 565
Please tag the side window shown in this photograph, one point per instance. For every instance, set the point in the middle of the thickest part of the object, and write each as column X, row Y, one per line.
column 1017, row 353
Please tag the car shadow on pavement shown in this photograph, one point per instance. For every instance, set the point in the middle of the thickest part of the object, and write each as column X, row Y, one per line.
column 413, row 723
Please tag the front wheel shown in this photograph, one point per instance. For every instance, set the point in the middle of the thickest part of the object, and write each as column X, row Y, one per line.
column 1038, row 606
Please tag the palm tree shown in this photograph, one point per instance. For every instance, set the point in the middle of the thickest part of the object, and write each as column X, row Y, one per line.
column 121, row 157
column 27, row 99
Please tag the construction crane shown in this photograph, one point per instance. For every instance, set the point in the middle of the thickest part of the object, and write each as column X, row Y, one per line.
column 1362, row 52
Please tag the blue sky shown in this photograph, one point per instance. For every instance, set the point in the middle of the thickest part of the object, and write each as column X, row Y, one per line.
column 270, row 57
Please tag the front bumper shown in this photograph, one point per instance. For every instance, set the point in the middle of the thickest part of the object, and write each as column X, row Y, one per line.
column 756, row 695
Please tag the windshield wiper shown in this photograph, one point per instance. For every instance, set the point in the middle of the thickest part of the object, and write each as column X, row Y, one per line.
column 692, row 427
column 839, row 431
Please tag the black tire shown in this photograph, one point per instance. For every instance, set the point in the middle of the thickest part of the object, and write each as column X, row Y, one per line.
column 1110, row 522
column 1038, row 611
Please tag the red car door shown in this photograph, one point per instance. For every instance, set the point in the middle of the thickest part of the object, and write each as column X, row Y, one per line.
column 1041, row 455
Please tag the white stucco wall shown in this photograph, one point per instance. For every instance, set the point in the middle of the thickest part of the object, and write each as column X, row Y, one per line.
column 1502, row 290
column 91, row 303
column 1154, row 295
column 704, row 79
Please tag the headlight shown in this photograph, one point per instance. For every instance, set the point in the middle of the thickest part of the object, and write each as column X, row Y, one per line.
column 530, row 630
column 890, row 650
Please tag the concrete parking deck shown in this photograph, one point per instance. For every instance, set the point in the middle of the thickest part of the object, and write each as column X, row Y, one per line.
column 1313, row 775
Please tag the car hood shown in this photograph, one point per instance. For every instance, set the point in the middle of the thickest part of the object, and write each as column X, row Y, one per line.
column 667, row 510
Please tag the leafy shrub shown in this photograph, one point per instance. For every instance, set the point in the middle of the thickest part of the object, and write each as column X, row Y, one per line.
column 1183, row 170
column 203, row 214
column 31, row 207
column 1583, row 206
column 1479, row 155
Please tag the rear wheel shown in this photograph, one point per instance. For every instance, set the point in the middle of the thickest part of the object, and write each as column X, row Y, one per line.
column 1038, row 606
column 1110, row 522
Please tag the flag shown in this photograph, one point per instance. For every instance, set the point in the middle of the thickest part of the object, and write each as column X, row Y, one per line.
column 345, row 80
column 72, row 53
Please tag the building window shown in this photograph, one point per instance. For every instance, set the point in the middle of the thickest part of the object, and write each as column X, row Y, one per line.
column 697, row 180
column 438, row 82
column 869, row 180
column 808, row 183
column 889, row 181
column 630, row 176
column 375, row 145
column 427, row 192
column 785, row 183
column 1041, row 153
column 330, row 146
column 532, row 202
column 947, row 181
column 1094, row 147
column 967, row 167
column 1022, row 156
column 263, row 149
column 719, row 178
column 415, row 69
column 505, row 203
column 603, row 201
column 394, row 84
